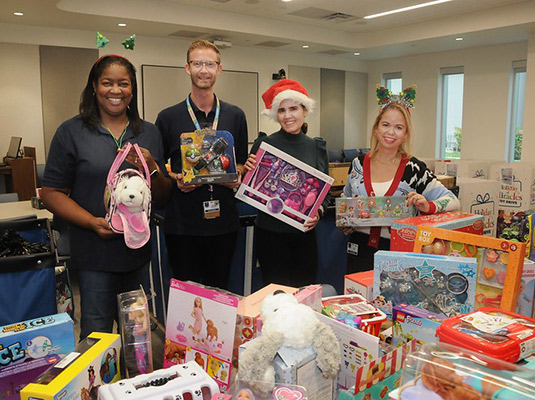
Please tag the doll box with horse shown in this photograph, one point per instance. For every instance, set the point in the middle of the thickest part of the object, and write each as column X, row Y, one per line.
column 404, row 230
column 371, row 211
column 500, row 262
column 80, row 374
column 208, row 157
column 284, row 187
column 29, row 348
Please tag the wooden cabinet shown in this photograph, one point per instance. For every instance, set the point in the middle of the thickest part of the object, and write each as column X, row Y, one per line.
column 20, row 177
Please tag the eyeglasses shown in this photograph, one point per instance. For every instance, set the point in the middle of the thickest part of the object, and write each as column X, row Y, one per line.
column 208, row 64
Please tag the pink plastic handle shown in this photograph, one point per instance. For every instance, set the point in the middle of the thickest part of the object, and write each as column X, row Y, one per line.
column 120, row 159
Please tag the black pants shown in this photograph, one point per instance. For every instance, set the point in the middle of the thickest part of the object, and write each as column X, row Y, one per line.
column 205, row 260
column 287, row 258
column 363, row 261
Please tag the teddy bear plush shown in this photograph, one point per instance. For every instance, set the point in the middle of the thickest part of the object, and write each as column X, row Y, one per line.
column 285, row 322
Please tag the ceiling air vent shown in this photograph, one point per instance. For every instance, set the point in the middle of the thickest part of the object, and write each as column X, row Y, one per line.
column 339, row 17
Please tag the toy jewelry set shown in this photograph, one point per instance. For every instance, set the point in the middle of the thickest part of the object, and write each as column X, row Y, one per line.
column 371, row 211
column 284, row 187
column 208, row 157
column 440, row 284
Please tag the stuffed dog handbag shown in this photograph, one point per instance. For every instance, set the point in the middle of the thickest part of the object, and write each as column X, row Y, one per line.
column 128, row 200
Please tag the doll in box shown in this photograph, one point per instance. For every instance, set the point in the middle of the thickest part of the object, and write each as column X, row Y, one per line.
column 140, row 332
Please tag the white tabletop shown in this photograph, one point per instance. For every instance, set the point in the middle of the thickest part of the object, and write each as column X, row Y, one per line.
column 20, row 209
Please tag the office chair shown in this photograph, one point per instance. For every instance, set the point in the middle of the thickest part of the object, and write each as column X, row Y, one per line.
column 335, row 156
column 350, row 154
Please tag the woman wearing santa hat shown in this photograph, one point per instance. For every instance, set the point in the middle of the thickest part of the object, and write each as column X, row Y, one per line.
column 287, row 255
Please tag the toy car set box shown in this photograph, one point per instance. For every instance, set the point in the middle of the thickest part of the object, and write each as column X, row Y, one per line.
column 441, row 284
column 403, row 231
column 284, row 187
column 208, row 157
column 29, row 348
column 500, row 262
column 371, row 211
column 79, row 375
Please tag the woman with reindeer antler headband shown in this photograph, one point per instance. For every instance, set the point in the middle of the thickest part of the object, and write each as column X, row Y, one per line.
column 287, row 255
column 389, row 169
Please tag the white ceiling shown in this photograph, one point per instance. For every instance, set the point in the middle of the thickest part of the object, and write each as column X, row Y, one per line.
column 295, row 23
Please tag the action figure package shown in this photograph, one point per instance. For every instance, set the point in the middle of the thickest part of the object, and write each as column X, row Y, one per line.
column 208, row 157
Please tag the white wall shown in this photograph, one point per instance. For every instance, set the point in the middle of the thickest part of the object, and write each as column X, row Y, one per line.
column 528, row 139
column 486, row 83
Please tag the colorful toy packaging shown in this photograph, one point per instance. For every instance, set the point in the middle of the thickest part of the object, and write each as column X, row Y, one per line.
column 440, row 284
column 201, row 325
column 29, row 348
column 134, row 322
column 79, row 375
column 284, row 187
column 500, row 262
column 515, row 226
column 184, row 381
column 491, row 331
column 404, row 231
column 411, row 322
column 526, row 304
column 441, row 371
column 371, row 211
column 246, row 391
column 359, row 283
column 208, row 157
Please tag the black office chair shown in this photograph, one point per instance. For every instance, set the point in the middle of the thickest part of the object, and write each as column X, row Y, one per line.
column 335, row 156
column 350, row 154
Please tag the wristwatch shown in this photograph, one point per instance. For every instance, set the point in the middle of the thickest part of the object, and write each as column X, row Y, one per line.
column 154, row 174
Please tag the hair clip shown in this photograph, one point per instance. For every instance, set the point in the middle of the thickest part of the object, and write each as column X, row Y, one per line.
column 102, row 40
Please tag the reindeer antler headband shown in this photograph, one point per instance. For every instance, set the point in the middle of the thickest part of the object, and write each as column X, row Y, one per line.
column 404, row 98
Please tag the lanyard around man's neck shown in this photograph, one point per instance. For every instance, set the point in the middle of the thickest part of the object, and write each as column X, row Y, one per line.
column 194, row 118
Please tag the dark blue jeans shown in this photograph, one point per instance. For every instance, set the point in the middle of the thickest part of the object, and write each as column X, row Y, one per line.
column 98, row 296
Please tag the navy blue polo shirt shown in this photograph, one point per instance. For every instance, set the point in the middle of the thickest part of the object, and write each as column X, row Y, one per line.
column 79, row 159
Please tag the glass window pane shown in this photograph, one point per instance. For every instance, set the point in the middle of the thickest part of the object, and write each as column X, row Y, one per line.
column 452, row 115
column 517, row 115
column 394, row 85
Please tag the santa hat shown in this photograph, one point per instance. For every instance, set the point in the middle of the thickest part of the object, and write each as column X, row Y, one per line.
column 285, row 89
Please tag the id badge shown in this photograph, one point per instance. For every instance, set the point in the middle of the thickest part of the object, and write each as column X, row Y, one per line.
column 211, row 209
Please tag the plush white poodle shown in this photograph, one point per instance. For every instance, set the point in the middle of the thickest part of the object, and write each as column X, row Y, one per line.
column 133, row 192
column 285, row 322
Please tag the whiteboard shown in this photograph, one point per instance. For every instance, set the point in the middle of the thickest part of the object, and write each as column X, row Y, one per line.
column 163, row 86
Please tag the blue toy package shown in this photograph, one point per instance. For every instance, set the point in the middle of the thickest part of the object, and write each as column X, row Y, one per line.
column 28, row 348
column 440, row 284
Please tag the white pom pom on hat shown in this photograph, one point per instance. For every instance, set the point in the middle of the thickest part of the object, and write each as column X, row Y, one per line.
column 285, row 89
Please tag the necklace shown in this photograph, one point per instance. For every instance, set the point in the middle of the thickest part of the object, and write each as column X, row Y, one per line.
column 118, row 142
column 389, row 162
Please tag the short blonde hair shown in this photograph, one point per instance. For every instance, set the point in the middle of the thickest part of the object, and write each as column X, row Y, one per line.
column 405, row 148
column 203, row 44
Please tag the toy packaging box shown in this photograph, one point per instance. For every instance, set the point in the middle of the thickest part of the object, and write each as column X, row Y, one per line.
column 525, row 305
column 246, row 390
column 359, row 283
column 95, row 362
column 515, row 226
column 29, row 348
column 440, row 284
column 375, row 379
column 298, row 367
column 284, row 187
column 517, row 185
column 481, row 197
column 463, row 168
column 201, row 325
column 134, row 323
column 500, row 262
column 404, row 230
column 208, row 157
column 371, row 211
column 411, row 322
column 310, row 296
column 183, row 381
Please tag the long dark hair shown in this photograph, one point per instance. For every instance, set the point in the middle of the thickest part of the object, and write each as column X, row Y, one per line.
column 88, row 102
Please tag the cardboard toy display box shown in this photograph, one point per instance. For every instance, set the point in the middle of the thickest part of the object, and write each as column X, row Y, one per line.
column 500, row 262
column 463, row 168
column 411, row 322
column 481, row 197
column 284, row 187
column 517, row 185
column 371, row 211
column 359, row 283
column 29, row 348
column 208, row 157
column 403, row 231
column 95, row 362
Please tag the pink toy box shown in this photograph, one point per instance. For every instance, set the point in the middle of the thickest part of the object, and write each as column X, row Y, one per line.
column 404, row 230
column 201, row 325
column 284, row 187
column 30, row 347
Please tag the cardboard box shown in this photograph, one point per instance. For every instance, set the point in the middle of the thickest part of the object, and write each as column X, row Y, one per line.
column 95, row 362
column 359, row 283
column 448, row 181
column 298, row 367
column 463, row 168
column 403, row 231
column 438, row 283
column 284, row 187
column 411, row 322
column 29, row 348
column 481, row 197
column 339, row 173
column 208, row 157
column 517, row 185
column 310, row 296
column 371, row 211
column 526, row 296
column 204, row 322
column 489, row 286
